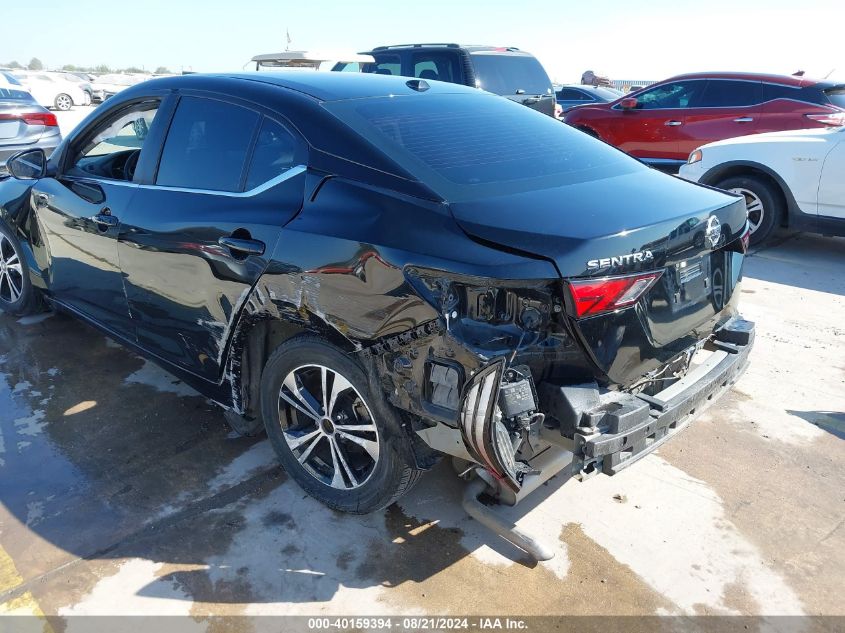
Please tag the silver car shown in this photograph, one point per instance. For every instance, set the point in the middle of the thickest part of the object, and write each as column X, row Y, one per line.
column 23, row 123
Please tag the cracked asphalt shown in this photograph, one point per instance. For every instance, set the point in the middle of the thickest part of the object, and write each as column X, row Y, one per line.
column 124, row 492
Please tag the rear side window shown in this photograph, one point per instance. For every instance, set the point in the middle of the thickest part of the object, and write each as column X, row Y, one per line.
column 775, row 91
column 727, row 94
column 504, row 74
column 436, row 66
column 207, row 145
column 276, row 151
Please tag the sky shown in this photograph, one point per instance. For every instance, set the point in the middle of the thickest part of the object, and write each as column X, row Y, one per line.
column 621, row 39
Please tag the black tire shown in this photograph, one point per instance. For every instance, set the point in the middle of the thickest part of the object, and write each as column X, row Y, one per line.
column 17, row 296
column 770, row 198
column 382, row 482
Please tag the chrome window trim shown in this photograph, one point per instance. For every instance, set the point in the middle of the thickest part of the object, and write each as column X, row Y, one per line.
column 290, row 173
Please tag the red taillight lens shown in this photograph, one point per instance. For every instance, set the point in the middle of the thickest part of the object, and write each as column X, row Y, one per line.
column 31, row 118
column 40, row 118
column 594, row 296
column 834, row 119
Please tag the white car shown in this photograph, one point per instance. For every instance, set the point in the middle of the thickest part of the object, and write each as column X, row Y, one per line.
column 794, row 179
column 53, row 90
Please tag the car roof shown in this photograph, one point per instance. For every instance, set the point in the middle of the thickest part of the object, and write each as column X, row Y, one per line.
column 470, row 48
column 326, row 86
column 785, row 80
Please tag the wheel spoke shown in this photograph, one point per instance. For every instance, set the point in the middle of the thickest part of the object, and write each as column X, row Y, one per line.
column 299, row 397
column 337, row 477
column 339, row 385
column 295, row 441
column 368, row 445
column 12, row 259
column 343, row 462
column 13, row 291
column 361, row 428
column 304, row 456
column 323, row 378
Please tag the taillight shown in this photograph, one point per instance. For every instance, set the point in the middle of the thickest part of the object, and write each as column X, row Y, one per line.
column 594, row 296
column 834, row 119
column 40, row 118
column 31, row 118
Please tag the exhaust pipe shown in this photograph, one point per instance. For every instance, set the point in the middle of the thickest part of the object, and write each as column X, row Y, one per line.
column 490, row 519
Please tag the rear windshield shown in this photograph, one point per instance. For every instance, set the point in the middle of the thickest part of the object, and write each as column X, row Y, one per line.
column 504, row 74
column 837, row 96
column 471, row 145
column 12, row 94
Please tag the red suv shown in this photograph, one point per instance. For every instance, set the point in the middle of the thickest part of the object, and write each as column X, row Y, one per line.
column 663, row 123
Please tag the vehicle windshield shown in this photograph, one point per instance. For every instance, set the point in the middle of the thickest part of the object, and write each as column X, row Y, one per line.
column 467, row 146
column 837, row 96
column 12, row 94
column 504, row 74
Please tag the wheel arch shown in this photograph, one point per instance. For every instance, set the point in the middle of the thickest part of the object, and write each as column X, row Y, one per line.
column 263, row 325
column 733, row 169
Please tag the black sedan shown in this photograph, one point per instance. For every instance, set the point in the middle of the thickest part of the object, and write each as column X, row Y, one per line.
column 380, row 271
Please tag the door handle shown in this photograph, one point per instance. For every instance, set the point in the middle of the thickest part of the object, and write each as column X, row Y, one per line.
column 673, row 123
column 242, row 246
column 744, row 119
column 105, row 218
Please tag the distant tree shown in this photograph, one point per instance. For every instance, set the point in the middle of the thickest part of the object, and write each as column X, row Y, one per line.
column 102, row 69
column 70, row 67
column 163, row 70
column 14, row 64
column 133, row 69
column 35, row 64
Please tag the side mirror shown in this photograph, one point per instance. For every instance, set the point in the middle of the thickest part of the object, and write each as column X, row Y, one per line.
column 140, row 128
column 30, row 164
column 628, row 103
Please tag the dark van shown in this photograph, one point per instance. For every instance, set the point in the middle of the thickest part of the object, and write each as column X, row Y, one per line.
column 504, row 71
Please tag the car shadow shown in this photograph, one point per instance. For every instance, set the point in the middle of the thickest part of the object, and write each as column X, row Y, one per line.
column 104, row 457
column 831, row 421
column 802, row 260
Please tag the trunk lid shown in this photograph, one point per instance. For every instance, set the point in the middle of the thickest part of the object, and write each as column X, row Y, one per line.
column 635, row 222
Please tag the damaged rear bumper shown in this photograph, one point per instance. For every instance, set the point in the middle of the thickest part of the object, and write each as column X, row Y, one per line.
column 630, row 427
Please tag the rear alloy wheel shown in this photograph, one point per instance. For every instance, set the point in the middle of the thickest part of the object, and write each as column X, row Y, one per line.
column 63, row 102
column 764, row 204
column 16, row 293
column 337, row 438
column 333, row 435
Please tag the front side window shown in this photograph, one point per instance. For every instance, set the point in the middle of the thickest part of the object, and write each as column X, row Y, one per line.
column 112, row 149
column 721, row 93
column 679, row 94
column 207, row 145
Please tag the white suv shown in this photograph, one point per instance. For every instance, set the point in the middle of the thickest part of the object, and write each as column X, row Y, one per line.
column 794, row 179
